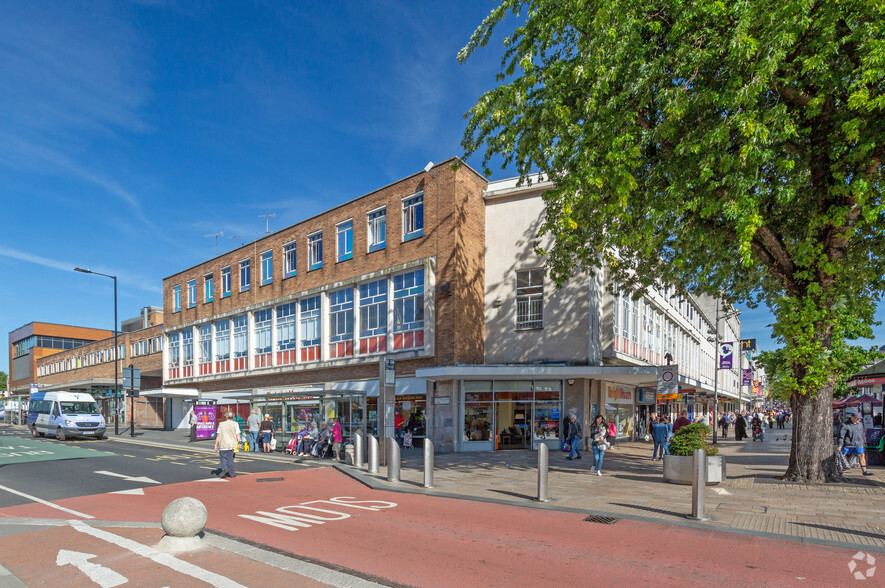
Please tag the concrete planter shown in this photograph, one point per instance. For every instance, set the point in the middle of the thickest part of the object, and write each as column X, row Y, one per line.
column 679, row 469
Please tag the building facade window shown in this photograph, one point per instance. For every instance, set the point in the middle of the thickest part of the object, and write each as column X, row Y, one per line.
column 225, row 281
column 263, row 320
column 408, row 310
column 530, row 299
column 191, row 293
column 287, row 342
column 205, row 365
column 208, row 288
column 245, row 275
column 377, row 233
column 241, row 342
column 341, row 323
column 345, row 240
column 315, row 251
column 289, row 258
column 187, row 353
column 309, row 328
column 266, row 268
column 373, row 317
column 176, row 298
column 174, row 357
column 413, row 217
column 222, row 346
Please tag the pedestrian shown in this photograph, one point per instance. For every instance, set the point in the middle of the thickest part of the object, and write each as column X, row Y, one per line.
column 740, row 428
column 652, row 419
column 398, row 426
column 852, row 439
column 598, row 433
column 266, row 431
column 337, row 439
column 723, row 423
column 661, row 435
column 681, row 421
column 253, row 425
column 575, row 436
column 192, row 421
column 226, row 440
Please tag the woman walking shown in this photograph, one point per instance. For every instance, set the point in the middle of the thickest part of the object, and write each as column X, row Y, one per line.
column 598, row 432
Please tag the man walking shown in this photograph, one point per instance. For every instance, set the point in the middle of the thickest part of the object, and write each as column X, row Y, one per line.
column 681, row 421
column 226, row 440
column 253, row 424
column 852, row 439
column 575, row 436
column 661, row 435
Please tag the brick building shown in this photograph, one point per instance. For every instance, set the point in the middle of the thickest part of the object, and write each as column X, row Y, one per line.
column 396, row 273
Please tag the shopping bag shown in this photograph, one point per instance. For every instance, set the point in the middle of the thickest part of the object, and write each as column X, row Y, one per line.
column 273, row 443
column 841, row 462
column 566, row 446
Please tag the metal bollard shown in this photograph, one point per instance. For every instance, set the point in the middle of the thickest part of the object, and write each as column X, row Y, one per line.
column 392, row 460
column 543, row 461
column 358, row 444
column 428, row 463
column 699, row 486
column 373, row 455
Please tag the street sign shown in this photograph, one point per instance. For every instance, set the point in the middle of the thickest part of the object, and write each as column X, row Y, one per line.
column 390, row 372
column 131, row 378
column 668, row 379
column 748, row 345
column 662, row 397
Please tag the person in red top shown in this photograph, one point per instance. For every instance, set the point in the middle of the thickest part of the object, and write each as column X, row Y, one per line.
column 398, row 426
column 681, row 421
column 337, row 439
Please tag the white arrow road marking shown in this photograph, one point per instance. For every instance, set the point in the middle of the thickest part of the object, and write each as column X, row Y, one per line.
column 212, row 480
column 134, row 491
column 141, row 479
column 47, row 503
column 104, row 577
column 164, row 559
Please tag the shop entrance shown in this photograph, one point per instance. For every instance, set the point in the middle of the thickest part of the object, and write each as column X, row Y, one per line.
column 513, row 420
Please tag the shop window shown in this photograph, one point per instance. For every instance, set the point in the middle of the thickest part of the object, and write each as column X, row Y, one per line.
column 530, row 299
column 241, row 342
column 309, row 329
column 262, row 351
column 341, row 323
column 373, row 317
column 222, row 346
column 408, row 310
column 286, row 340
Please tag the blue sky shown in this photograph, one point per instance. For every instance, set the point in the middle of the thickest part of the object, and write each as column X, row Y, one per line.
column 129, row 130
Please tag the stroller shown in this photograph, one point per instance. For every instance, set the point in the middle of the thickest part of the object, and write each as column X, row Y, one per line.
column 757, row 432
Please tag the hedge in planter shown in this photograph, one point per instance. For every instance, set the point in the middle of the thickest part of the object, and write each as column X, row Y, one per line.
column 691, row 437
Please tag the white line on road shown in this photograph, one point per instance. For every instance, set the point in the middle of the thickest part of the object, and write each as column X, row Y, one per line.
column 134, row 491
column 159, row 557
column 128, row 478
column 104, row 577
column 47, row 503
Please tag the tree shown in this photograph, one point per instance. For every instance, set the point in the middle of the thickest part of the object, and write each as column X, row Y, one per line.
column 729, row 148
column 2, row 381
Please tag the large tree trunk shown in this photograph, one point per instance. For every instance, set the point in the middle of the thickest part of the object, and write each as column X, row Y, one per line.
column 811, row 453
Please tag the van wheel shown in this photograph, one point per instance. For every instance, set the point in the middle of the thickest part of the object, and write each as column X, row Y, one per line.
column 60, row 434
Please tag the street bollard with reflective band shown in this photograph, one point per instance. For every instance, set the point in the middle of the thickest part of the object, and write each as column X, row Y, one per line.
column 392, row 460
column 358, row 445
column 699, row 486
column 373, row 455
column 543, row 460
column 428, row 463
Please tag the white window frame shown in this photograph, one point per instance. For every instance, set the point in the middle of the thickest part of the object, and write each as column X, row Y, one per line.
column 315, row 250
column 266, row 267
column 245, row 264
column 374, row 227
column 530, row 301
column 290, row 259
column 410, row 216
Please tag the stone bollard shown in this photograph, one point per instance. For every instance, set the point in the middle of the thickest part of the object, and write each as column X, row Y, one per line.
column 183, row 521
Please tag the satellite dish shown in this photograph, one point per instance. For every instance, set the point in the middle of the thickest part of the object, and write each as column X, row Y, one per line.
column 428, row 167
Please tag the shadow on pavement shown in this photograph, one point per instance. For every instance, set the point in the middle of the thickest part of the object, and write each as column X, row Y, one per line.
column 846, row 530
column 648, row 509
column 508, row 493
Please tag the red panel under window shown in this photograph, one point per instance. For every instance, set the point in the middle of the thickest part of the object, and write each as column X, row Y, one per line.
column 174, row 373
column 408, row 340
column 373, row 345
column 310, row 353
column 240, row 363
column 285, row 357
column 187, row 371
column 205, row 368
column 262, row 360
column 222, row 366
column 342, row 349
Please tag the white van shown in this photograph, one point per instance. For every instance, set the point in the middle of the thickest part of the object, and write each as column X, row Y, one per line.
column 65, row 414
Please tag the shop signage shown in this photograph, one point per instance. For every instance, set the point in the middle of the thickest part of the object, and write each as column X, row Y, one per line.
column 646, row 396
column 748, row 345
column 668, row 379
column 726, row 355
column 620, row 395
column 665, row 397
column 866, row 382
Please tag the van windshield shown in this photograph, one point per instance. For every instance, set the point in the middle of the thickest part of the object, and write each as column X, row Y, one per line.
column 79, row 408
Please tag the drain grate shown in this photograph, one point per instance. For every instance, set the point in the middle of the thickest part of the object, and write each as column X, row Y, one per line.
column 269, row 480
column 600, row 519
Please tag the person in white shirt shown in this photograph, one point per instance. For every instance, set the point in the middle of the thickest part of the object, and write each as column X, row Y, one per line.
column 226, row 440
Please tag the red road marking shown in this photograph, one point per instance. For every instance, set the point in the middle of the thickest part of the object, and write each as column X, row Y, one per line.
column 430, row 541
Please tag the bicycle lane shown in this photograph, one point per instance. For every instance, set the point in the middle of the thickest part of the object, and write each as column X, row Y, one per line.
column 325, row 516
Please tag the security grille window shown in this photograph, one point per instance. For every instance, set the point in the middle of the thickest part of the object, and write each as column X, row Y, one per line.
column 530, row 299
column 413, row 217
column 377, row 229
column 286, row 340
column 309, row 328
column 341, row 323
column 191, row 293
column 408, row 310
column 176, row 298
column 289, row 251
column 315, row 251
column 241, row 341
column 345, row 240
column 373, row 317
column 266, row 268
column 245, row 275
column 208, row 288
column 225, row 281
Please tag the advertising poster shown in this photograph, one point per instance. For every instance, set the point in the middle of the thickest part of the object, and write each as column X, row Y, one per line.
column 205, row 421
column 726, row 355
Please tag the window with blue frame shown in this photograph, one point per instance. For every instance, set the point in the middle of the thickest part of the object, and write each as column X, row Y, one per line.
column 263, row 319
column 413, row 217
column 315, row 251
column 373, row 317
column 286, row 326
column 377, row 232
column 289, row 250
column 191, row 293
column 341, row 323
column 245, row 275
column 266, row 268
column 208, row 288
column 345, row 240
column 309, row 328
column 408, row 310
column 225, row 281
column 176, row 298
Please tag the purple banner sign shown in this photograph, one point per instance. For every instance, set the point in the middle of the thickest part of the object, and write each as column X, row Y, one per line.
column 747, row 379
column 726, row 355
column 205, row 421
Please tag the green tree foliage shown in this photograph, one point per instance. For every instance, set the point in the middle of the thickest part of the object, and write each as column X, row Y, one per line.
column 777, row 369
column 731, row 147
column 2, row 380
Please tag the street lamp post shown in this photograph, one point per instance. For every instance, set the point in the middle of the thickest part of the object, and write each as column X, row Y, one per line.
column 116, row 348
column 715, row 422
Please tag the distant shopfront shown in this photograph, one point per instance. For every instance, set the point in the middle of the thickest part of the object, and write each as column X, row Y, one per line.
column 619, row 407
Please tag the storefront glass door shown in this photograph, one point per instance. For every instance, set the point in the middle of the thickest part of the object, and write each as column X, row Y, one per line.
column 513, row 420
